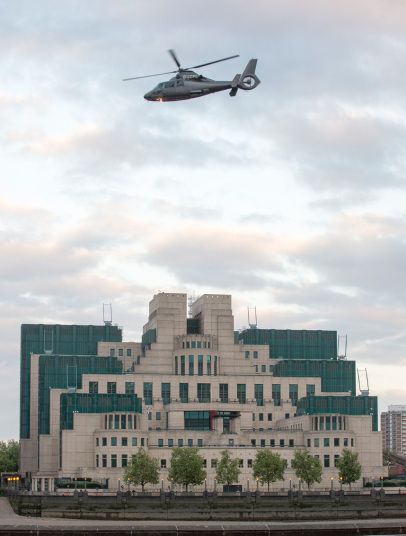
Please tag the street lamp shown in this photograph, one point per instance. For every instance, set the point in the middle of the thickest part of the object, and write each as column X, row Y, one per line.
column 341, row 483
column 257, row 483
column 332, row 483
column 290, row 484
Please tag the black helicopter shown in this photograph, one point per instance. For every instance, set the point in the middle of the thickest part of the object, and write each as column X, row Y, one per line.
column 189, row 85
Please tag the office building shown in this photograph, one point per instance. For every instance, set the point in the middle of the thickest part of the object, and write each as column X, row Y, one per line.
column 393, row 426
column 89, row 399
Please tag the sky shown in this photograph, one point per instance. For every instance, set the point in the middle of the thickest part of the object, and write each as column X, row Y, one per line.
column 290, row 197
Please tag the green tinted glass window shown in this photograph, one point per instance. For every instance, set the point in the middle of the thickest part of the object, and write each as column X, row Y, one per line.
column 241, row 393
column 203, row 392
column 166, row 393
column 184, row 392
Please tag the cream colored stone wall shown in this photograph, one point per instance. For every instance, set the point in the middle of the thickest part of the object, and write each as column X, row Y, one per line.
column 78, row 446
column 29, row 447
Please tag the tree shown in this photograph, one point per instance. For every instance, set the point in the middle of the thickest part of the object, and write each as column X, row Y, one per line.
column 269, row 467
column 349, row 467
column 227, row 470
column 186, row 467
column 143, row 469
column 306, row 467
column 9, row 453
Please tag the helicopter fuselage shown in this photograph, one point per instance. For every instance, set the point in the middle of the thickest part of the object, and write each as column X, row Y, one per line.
column 189, row 85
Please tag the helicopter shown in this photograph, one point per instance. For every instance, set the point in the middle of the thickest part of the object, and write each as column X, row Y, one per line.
column 187, row 84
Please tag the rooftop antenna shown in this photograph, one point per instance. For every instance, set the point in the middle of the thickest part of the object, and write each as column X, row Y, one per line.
column 363, row 382
column 252, row 316
column 107, row 314
column 342, row 346
column 190, row 301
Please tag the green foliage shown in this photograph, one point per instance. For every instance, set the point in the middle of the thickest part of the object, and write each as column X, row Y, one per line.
column 143, row 469
column 227, row 470
column 349, row 467
column 186, row 467
column 306, row 467
column 9, row 452
column 269, row 467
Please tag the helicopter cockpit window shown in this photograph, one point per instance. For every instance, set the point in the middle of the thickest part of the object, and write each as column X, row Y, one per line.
column 180, row 82
column 169, row 84
column 159, row 86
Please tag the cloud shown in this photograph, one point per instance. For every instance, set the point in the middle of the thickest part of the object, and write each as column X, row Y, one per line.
column 9, row 100
column 27, row 261
column 367, row 252
column 13, row 212
column 334, row 149
column 102, row 149
column 254, row 218
column 214, row 257
column 191, row 210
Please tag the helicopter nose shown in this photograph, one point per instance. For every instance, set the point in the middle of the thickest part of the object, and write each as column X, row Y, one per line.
column 148, row 96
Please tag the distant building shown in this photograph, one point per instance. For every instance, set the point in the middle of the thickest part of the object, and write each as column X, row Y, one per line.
column 89, row 400
column 393, row 426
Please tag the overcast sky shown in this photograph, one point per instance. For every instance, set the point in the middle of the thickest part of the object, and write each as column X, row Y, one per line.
column 290, row 197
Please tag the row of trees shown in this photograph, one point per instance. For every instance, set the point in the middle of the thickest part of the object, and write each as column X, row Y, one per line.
column 187, row 468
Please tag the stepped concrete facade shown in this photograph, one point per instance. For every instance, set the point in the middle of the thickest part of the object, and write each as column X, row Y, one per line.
column 192, row 380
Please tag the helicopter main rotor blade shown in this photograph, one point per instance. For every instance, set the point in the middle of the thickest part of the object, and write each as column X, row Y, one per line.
column 211, row 62
column 174, row 57
column 148, row 76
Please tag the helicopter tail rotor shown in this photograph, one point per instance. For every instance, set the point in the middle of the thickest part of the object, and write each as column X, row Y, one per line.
column 249, row 80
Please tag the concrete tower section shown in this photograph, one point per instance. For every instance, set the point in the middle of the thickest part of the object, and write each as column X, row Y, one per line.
column 215, row 316
column 167, row 314
column 166, row 322
column 216, row 320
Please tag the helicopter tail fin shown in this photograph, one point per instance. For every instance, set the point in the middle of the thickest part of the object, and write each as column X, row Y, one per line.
column 234, row 85
column 249, row 80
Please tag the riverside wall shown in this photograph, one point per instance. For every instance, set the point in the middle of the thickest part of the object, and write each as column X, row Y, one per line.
column 226, row 507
